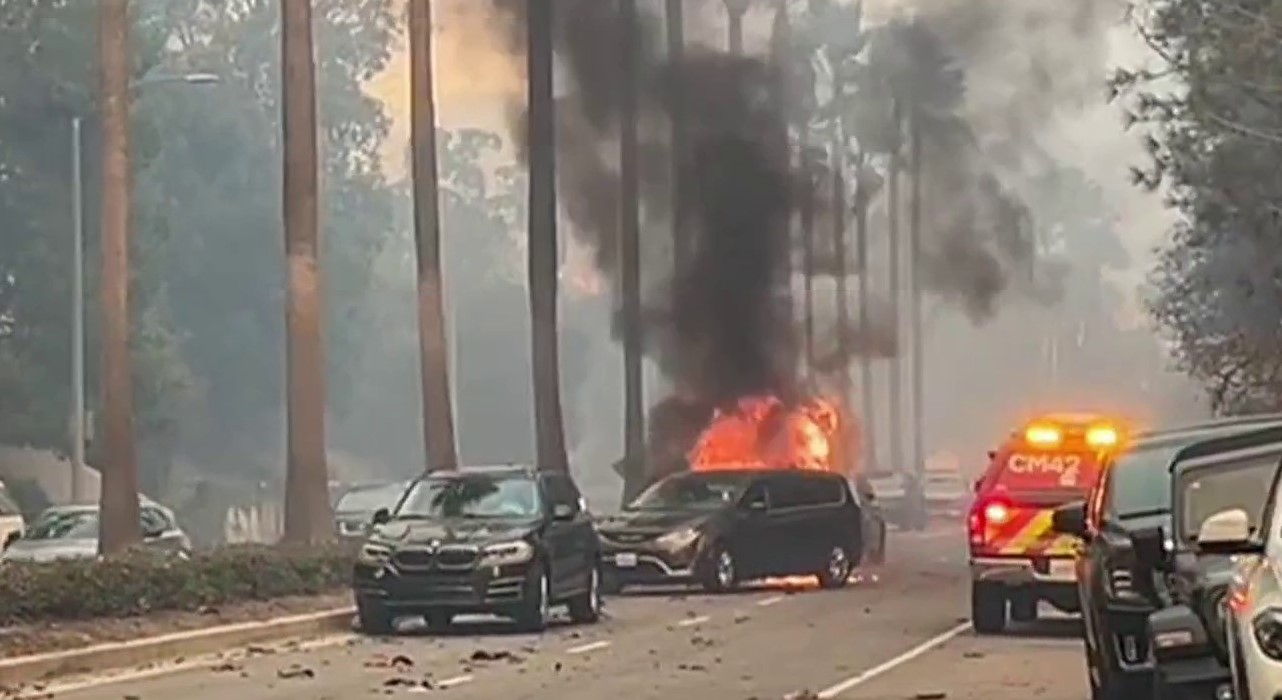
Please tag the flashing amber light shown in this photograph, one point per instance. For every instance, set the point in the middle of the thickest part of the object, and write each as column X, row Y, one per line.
column 1043, row 435
column 1102, row 436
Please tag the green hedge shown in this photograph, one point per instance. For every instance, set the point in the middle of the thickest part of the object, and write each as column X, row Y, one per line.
column 142, row 581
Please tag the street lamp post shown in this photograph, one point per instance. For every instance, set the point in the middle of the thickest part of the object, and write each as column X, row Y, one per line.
column 77, row 417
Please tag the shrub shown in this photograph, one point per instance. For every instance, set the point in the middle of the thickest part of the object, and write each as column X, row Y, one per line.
column 143, row 580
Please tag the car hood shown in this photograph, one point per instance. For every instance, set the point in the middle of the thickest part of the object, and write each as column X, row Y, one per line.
column 50, row 550
column 476, row 532
column 652, row 522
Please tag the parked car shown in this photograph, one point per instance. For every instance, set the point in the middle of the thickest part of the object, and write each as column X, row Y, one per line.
column 12, row 524
column 722, row 528
column 510, row 541
column 355, row 507
column 1188, row 580
column 71, row 532
column 1132, row 493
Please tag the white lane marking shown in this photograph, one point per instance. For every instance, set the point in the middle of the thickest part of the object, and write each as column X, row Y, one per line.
column 833, row 691
column 451, row 682
column 590, row 646
column 692, row 621
column 766, row 602
column 203, row 661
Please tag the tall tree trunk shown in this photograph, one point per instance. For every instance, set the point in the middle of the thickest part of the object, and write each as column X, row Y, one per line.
column 808, row 263
column 869, row 404
column 781, row 56
column 119, row 493
column 895, row 408
column 307, row 509
column 549, row 431
column 433, row 348
column 735, row 10
column 843, row 302
column 630, row 253
column 674, row 14
column 916, row 376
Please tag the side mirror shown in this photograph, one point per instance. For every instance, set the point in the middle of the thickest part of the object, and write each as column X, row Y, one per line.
column 1070, row 519
column 562, row 512
column 1150, row 549
column 382, row 516
column 1226, row 532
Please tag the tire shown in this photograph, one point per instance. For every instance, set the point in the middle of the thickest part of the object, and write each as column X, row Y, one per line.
column 837, row 568
column 438, row 620
column 585, row 608
column 987, row 608
column 720, row 570
column 534, row 611
column 1023, row 607
column 374, row 618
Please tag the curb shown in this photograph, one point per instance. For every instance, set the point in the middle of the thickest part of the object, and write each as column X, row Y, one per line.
column 150, row 650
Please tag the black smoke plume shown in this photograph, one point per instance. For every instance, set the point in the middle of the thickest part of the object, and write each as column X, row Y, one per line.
column 729, row 334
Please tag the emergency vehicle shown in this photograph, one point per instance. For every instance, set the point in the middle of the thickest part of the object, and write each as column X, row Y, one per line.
column 1016, row 559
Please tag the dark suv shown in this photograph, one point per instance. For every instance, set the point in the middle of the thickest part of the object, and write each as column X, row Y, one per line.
column 509, row 541
column 1132, row 494
column 721, row 528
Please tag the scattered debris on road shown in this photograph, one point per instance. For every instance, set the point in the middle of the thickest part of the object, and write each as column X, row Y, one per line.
column 226, row 667
column 499, row 655
column 932, row 695
column 295, row 671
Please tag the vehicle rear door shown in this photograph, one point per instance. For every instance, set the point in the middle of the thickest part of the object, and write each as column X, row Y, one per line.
column 1030, row 483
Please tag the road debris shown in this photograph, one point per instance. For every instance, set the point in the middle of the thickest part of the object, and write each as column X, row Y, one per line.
column 931, row 695
column 226, row 667
column 413, row 685
column 394, row 662
column 295, row 671
column 499, row 655
column 802, row 695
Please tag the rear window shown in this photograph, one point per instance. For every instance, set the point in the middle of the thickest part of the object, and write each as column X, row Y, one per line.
column 1037, row 470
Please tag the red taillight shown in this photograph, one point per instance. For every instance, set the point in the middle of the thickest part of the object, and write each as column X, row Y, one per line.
column 987, row 511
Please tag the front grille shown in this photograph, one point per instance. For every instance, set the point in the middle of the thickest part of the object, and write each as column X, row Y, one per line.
column 414, row 558
column 458, row 557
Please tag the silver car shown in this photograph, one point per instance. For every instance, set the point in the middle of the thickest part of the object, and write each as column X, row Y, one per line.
column 71, row 532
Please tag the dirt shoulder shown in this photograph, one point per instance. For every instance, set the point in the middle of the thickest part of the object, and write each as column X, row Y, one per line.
column 24, row 640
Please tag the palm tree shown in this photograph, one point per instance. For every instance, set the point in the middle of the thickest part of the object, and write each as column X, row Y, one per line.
column 119, row 494
column 307, row 509
column 630, row 253
column 549, row 429
column 674, row 14
column 735, row 10
column 438, row 415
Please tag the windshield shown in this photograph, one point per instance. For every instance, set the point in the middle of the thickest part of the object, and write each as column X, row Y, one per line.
column 686, row 492
column 367, row 499
column 1210, row 490
column 74, row 525
column 473, row 496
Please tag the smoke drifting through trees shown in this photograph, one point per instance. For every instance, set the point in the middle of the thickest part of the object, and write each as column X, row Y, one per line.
column 731, row 334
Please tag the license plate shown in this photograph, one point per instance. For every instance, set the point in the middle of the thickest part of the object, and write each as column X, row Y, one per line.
column 1063, row 569
column 626, row 560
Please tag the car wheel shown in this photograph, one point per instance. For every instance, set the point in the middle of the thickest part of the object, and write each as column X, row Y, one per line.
column 837, row 568
column 438, row 620
column 721, row 572
column 585, row 608
column 372, row 617
column 987, row 608
column 1023, row 608
column 533, row 614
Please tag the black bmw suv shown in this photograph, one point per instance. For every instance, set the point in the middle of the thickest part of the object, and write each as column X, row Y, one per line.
column 721, row 528
column 509, row 541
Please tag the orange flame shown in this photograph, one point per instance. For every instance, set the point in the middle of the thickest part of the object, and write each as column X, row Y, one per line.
column 763, row 433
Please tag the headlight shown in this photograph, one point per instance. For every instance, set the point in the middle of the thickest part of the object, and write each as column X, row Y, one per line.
column 374, row 554
column 507, row 553
column 1267, row 626
column 679, row 539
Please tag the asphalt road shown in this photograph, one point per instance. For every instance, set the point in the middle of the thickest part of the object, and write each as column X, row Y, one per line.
column 900, row 634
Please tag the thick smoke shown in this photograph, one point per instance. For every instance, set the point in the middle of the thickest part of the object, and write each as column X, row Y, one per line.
column 731, row 333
